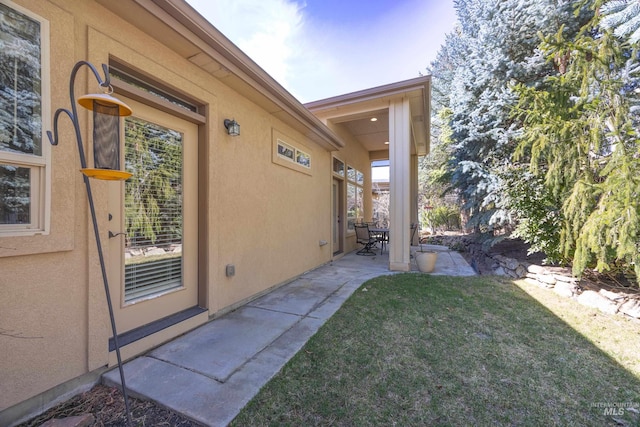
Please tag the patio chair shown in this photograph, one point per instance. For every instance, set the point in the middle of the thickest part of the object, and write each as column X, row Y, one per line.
column 414, row 229
column 364, row 237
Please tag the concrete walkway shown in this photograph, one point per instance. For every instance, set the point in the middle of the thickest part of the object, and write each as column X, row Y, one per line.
column 212, row 372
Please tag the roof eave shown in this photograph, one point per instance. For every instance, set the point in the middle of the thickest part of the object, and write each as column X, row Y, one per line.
column 180, row 17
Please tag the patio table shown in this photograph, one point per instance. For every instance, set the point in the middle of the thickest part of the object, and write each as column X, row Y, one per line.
column 383, row 234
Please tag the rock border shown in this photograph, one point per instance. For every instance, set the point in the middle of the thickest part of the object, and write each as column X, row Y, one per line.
column 558, row 279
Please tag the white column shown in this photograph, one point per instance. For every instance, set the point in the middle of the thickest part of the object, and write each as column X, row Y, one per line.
column 399, row 185
column 413, row 197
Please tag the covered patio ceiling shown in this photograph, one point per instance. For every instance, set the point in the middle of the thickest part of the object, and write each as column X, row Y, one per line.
column 400, row 133
column 354, row 113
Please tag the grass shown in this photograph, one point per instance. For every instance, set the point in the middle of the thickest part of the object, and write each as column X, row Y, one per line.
column 414, row 349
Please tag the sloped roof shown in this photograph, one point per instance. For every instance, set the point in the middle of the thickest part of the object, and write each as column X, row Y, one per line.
column 180, row 27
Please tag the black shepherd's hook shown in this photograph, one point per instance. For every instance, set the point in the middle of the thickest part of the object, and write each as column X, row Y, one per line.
column 53, row 139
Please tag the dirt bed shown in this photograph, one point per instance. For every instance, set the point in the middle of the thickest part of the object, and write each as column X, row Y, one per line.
column 106, row 404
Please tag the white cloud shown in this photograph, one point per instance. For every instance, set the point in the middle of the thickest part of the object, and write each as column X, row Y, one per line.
column 318, row 59
column 266, row 30
column 397, row 46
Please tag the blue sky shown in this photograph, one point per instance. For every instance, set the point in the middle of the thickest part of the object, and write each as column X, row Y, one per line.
column 321, row 48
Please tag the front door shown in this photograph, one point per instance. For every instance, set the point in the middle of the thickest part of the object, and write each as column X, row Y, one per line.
column 153, row 219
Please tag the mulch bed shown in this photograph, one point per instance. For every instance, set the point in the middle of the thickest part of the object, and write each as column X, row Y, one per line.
column 106, row 404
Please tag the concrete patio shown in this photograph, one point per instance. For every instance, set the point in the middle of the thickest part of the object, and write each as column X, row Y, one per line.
column 211, row 373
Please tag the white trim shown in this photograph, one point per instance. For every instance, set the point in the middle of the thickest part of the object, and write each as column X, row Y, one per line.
column 344, row 168
column 40, row 209
column 280, row 140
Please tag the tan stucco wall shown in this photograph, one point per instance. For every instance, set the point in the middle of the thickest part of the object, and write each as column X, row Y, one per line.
column 43, row 279
column 264, row 218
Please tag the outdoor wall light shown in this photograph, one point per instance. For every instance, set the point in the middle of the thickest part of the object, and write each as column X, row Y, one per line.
column 233, row 128
column 107, row 111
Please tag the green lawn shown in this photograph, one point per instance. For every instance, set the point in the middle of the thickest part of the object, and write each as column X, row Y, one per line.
column 422, row 350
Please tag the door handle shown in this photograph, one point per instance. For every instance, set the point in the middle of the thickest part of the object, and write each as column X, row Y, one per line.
column 112, row 234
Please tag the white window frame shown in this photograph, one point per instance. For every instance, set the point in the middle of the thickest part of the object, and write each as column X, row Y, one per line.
column 341, row 172
column 298, row 156
column 39, row 165
column 355, row 180
column 287, row 152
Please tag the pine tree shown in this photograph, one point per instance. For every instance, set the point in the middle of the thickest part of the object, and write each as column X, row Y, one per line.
column 581, row 137
column 623, row 17
column 481, row 96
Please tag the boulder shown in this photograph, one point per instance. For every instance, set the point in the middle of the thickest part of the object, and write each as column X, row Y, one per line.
column 595, row 300
column 563, row 278
column 521, row 271
column 548, row 279
column 501, row 259
column 499, row 272
column 536, row 269
column 611, row 295
column 512, row 263
column 565, row 289
column 154, row 251
column 631, row 308
column 135, row 252
column 512, row 273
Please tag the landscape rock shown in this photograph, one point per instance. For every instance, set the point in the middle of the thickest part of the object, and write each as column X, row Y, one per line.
column 559, row 278
column 631, row 308
column 611, row 295
column 544, row 278
column 563, row 278
column 512, row 263
column 135, row 252
column 594, row 299
column 536, row 269
column 501, row 259
column 565, row 289
column 521, row 271
column 154, row 251
column 512, row 273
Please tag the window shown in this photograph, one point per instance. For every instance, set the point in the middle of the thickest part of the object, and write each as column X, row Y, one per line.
column 355, row 197
column 295, row 155
column 288, row 153
column 153, row 209
column 23, row 119
column 351, row 173
column 338, row 167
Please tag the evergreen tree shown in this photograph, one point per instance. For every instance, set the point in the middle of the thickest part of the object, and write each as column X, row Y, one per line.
column 623, row 17
column 481, row 96
column 581, row 137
